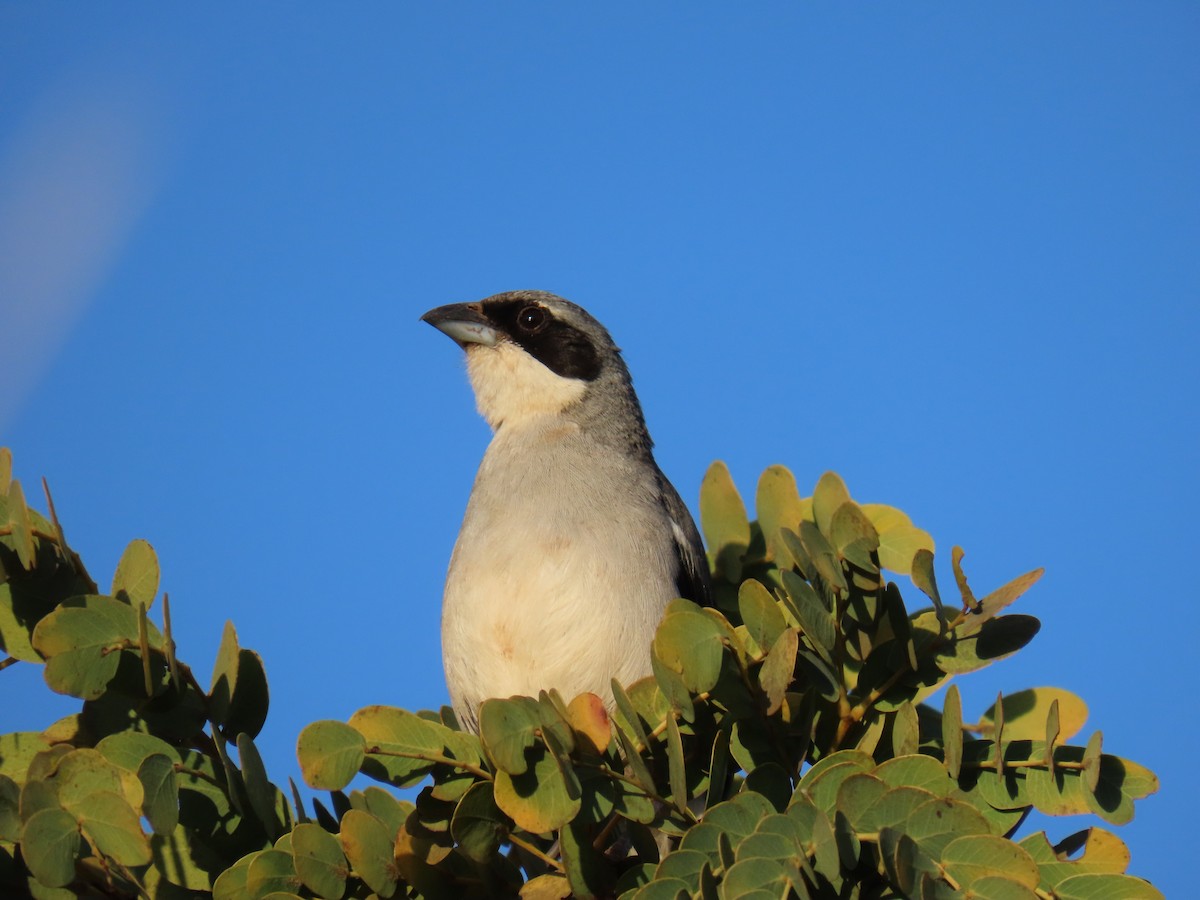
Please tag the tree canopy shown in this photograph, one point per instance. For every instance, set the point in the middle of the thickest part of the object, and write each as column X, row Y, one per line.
column 785, row 746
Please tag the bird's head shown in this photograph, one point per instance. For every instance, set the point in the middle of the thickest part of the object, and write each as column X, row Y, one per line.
column 532, row 354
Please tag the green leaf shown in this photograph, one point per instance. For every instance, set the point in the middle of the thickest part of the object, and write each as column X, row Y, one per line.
column 402, row 747
column 319, row 861
column 555, row 887
column 1103, row 853
column 588, row 871
column 860, row 798
column 49, row 844
column 136, row 578
column 112, row 825
column 741, row 815
column 952, row 732
column 749, row 876
column 684, row 865
column 181, row 859
column 991, row 605
column 541, row 799
column 18, row 616
column 822, row 556
column 899, row 539
column 917, row 770
column 718, row 770
column 777, row 670
column 160, row 792
column 1106, row 887
column 383, row 805
column 906, row 731
column 85, row 771
column 829, row 494
column 923, row 577
column 976, row 856
column 690, row 644
column 261, row 792
column 330, row 754
column 823, row 787
column 1025, row 714
column 771, row 781
column 999, row 887
column 663, row 889
column 10, row 818
column 937, row 822
column 676, row 773
column 996, row 639
column 724, row 522
column 778, row 504
column 128, row 749
column 1091, row 761
column 369, row 848
column 814, row 616
column 1119, row 784
column 270, row 871
column 822, row 842
column 17, row 750
column 508, row 729
column 478, row 825
column 760, row 613
column 231, row 884
column 852, row 533
column 21, row 529
column 81, row 641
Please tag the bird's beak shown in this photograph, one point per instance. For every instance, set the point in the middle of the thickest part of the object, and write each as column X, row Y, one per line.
column 464, row 323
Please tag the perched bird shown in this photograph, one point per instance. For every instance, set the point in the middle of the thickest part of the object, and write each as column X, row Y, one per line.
column 573, row 541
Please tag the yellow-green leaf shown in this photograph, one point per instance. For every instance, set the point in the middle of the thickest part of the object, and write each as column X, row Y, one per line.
column 778, row 505
column 330, row 754
column 137, row 574
column 724, row 521
column 1025, row 714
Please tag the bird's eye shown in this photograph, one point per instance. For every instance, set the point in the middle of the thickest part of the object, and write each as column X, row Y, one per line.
column 531, row 318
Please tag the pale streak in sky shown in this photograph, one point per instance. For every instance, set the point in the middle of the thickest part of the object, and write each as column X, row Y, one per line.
column 75, row 176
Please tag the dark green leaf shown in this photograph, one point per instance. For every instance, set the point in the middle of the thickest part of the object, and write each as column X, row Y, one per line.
column 507, row 729
column 160, row 792
column 814, row 616
column 1119, row 783
column 261, row 792
column 478, row 825
column 996, row 639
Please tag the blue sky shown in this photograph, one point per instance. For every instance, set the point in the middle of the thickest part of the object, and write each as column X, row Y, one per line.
column 947, row 250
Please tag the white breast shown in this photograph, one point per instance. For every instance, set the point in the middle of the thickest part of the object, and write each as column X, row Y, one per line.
column 561, row 571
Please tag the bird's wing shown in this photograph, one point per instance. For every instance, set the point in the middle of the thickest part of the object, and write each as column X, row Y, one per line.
column 691, row 575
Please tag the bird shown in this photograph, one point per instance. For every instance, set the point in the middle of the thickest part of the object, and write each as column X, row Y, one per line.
column 573, row 541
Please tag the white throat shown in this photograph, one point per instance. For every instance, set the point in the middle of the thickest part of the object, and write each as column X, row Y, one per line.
column 511, row 387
